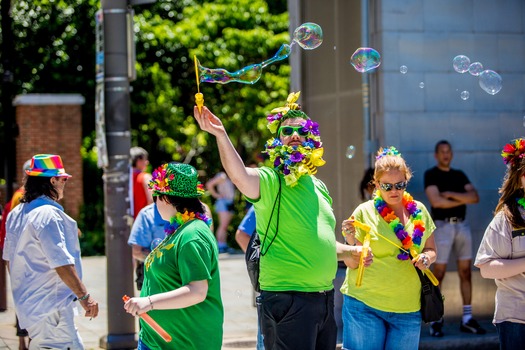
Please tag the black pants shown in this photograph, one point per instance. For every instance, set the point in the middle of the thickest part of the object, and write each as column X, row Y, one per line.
column 298, row 320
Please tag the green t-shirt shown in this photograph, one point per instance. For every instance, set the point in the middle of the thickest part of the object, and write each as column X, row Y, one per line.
column 303, row 255
column 190, row 254
column 389, row 284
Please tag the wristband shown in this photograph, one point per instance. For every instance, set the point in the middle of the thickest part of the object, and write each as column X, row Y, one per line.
column 84, row 297
column 150, row 303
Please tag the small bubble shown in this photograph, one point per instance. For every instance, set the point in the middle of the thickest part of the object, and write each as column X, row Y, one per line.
column 365, row 59
column 238, row 293
column 334, row 48
column 350, row 152
column 461, row 63
column 403, row 69
column 464, row 95
column 155, row 243
column 524, row 121
column 422, row 85
column 475, row 69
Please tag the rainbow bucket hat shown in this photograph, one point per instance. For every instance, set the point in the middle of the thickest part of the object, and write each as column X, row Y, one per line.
column 47, row 165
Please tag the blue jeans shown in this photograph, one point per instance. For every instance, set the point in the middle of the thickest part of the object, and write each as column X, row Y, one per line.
column 367, row 328
column 511, row 335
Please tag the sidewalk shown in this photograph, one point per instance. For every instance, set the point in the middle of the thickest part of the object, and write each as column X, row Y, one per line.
column 240, row 320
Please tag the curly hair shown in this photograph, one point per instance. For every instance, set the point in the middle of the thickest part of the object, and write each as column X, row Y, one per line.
column 36, row 186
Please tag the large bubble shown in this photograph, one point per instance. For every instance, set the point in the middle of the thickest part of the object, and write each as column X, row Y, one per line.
column 365, row 59
column 490, row 81
column 461, row 63
column 475, row 69
column 308, row 36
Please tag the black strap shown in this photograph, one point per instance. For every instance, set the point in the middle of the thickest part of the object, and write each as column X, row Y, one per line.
column 270, row 220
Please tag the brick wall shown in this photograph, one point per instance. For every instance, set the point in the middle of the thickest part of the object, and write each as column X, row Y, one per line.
column 52, row 124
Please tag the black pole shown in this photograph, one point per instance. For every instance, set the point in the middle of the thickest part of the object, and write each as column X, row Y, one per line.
column 121, row 326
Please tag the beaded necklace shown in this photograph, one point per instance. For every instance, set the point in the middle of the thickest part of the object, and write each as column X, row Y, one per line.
column 393, row 221
column 180, row 219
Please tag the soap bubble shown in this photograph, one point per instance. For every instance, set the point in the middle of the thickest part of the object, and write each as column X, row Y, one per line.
column 464, row 95
column 490, row 81
column 403, row 69
column 308, row 35
column 365, row 59
column 155, row 243
column 475, row 68
column 350, row 152
column 461, row 63
column 422, row 85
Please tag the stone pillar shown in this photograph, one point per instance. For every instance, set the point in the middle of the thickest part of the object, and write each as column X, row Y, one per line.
column 52, row 123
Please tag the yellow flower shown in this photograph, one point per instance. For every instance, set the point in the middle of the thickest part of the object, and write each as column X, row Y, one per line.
column 290, row 104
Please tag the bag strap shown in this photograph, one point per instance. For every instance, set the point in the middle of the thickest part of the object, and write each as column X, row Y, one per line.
column 278, row 198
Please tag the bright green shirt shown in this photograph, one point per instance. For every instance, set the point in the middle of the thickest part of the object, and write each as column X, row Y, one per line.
column 303, row 255
column 190, row 254
column 389, row 284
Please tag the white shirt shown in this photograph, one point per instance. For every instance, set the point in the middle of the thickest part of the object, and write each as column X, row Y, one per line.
column 39, row 238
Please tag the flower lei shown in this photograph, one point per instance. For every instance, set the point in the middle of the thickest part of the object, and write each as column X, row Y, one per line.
column 513, row 151
column 291, row 161
column 393, row 221
column 180, row 219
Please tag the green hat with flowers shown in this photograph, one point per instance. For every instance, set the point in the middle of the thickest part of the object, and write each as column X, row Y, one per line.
column 176, row 179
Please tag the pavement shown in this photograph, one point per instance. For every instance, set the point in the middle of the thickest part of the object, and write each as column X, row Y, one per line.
column 240, row 319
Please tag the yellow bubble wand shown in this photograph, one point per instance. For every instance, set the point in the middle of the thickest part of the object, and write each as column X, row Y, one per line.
column 364, row 253
column 199, row 97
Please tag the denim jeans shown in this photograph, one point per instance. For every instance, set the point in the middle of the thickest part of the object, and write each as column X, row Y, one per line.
column 368, row 328
column 511, row 335
column 142, row 346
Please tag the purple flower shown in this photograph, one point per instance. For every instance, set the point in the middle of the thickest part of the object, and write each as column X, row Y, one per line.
column 286, row 171
column 273, row 117
column 312, row 127
column 317, row 144
column 296, row 157
column 277, row 162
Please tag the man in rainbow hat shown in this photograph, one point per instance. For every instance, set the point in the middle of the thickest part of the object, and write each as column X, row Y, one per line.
column 43, row 255
column 295, row 222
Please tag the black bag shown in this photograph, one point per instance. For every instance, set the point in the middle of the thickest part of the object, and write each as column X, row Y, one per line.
column 254, row 250
column 432, row 301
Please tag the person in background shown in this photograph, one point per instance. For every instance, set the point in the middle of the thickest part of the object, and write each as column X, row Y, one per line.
column 298, row 267
column 181, row 289
column 383, row 312
column 223, row 190
column 43, row 255
column 501, row 254
column 15, row 200
column 139, row 180
column 449, row 191
column 366, row 186
column 244, row 232
column 146, row 233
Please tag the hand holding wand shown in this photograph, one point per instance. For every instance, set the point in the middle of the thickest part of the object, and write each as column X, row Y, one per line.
column 152, row 323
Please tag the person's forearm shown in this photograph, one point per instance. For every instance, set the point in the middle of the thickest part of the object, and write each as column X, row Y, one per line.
column 502, row 268
column 179, row 298
column 69, row 276
column 234, row 167
column 464, row 198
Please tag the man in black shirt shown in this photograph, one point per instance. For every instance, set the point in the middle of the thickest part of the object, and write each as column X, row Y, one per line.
column 449, row 191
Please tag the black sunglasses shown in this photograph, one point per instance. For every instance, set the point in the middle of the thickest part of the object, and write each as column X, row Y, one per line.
column 289, row 130
column 400, row 186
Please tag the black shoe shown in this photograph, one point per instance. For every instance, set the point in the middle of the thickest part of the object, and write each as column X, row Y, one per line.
column 472, row 326
column 436, row 329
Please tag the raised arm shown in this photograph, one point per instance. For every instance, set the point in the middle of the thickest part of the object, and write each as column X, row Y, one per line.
column 245, row 179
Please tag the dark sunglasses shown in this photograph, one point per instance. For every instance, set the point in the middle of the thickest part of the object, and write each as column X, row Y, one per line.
column 400, row 186
column 289, row 130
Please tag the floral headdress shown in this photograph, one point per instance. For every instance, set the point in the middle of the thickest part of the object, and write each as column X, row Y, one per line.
column 390, row 151
column 176, row 179
column 513, row 151
column 294, row 161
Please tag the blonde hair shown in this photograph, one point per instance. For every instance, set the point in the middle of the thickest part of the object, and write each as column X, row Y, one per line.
column 511, row 191
column 387, row 160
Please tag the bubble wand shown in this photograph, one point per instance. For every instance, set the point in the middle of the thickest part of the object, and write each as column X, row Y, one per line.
column 154, row 325
column 199, row 97
column 413, row 252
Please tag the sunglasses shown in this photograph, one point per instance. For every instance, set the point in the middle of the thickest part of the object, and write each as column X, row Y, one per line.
column 289, row 130
column 400, row 186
